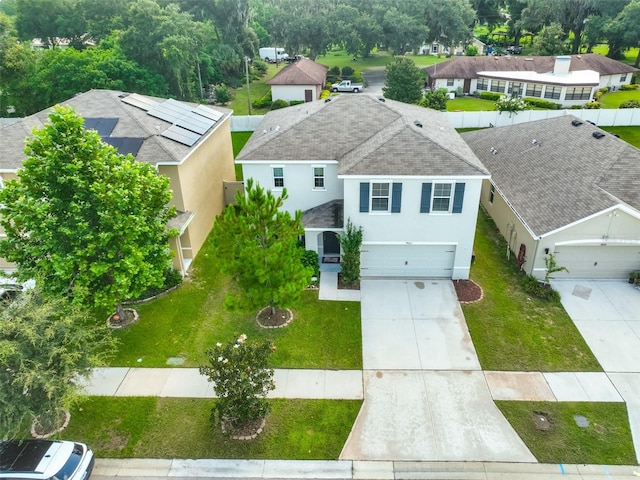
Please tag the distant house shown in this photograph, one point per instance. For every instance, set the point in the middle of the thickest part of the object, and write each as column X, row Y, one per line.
column 564, row 187
column 568, row 79
column 398, row 171
column 302, row 80
column 189, row 143
column 435, row 48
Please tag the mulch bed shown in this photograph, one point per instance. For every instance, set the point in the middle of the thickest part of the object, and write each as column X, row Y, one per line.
column 130, row 317
column 344, row 286
column 468, row 291
column 248, row 430
column 280, row 317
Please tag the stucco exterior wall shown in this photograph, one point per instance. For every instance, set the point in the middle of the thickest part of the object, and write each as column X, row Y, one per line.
column 411, row 226
column 299, row 182
column 613, row 81
column 197, row 183
column 293, row 92
column 509, row 225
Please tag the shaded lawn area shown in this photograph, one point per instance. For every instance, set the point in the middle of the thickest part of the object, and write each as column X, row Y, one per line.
column 512, row 330
column 470, row 104
column 187, row 321
column 150, row 427
column 614, row 99
column 606, row 441
column 238, row 139
column 628, row 134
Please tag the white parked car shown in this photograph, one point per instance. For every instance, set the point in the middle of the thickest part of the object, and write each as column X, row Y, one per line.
column 45, row 460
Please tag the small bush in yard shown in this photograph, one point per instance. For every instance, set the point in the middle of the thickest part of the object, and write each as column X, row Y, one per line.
column 630, row 104
column 347, row 70
column 631, row 86
column 350, row 241
column 513, row 105
column 223, row 94
column 242, row 380
column 592, row 105
column 310, row 259
column 490, row 96
column 279, row 104
column 335, row 71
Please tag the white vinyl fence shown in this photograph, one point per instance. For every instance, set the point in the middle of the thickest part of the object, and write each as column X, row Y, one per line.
column 602, row 117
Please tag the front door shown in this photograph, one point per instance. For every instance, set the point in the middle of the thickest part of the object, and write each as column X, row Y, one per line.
column 331, row 243
column 467, row 85
column 308, row 95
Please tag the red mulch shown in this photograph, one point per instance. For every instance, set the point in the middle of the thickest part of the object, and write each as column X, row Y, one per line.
column 467, row 290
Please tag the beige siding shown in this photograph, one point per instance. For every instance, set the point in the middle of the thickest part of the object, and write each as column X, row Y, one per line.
column 509, row 225
column 197, row 185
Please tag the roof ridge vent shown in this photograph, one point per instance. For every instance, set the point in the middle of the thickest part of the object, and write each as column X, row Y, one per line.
column 576, row 123
column 598, row 135
column 417, row 123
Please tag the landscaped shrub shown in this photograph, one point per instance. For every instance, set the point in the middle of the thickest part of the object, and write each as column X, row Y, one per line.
column 471, row 51
column 259, row 67
column 222, row 94
column 324, row 94
column 296, row 102
column 630, row 104
column 310, row 259
column 490, row 96
column 632, row 86
column 576, row 107
column 592, row 105
column 335, row 70
column 598, row 95
column 172, row 278
column 356, row 77
column 540, row 103
column 513, row 105
column 350, row 241
column 333, row 78
column 347, row 71
column 275, row 105
column 264, row 102
column 532, row 286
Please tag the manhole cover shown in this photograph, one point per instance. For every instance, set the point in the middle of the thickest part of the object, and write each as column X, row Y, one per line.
column 175, row 361
column 581, row 421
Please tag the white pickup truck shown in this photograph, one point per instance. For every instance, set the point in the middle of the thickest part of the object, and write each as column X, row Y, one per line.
column 347, row 86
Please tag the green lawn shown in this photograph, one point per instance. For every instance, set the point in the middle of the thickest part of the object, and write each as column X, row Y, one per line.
column 628, row 134
column 150, row 427
column 606, row 441
column 510, row 329
column 238, row 139
column 193, row 318
column 614, row 99
column 470, row 104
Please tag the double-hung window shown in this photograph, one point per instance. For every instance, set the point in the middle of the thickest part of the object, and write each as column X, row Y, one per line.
column 552, row 92
column 498, row 86
column 534, row 90
column 318, row 178
column 449, row 82
column 380, row 193
column 515, row 89
column 578, row 93
column 278, row 177
column 441, row 197
column 482, row 84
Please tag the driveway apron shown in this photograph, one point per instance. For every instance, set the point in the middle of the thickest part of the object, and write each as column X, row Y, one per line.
column 425, row 395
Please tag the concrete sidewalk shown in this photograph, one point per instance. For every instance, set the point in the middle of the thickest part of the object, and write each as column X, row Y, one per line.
column 356, row 470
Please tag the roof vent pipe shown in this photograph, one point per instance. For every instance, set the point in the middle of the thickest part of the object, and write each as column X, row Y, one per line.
column 598, row 135
column 576, row 123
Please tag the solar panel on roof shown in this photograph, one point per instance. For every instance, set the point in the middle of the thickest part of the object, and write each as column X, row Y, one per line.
column 181, row 115
column 139, row 101
column 181, row 135
column 125, row 145
column 104, row 126
column 210, row 113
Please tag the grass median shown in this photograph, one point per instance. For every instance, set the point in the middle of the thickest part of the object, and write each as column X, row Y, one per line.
column 511, row 330
column 149, row 427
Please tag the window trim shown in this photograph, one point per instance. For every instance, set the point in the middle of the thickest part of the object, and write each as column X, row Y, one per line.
column 498, row 86
column 492, row 193
column 323, row 177
column 450, row 82
column 482, row 83
column 572, row 93
column 434, row 196
column 623, row 77
column 553, row 92
column 534, row 90
column 389, row 185
column 273, row 176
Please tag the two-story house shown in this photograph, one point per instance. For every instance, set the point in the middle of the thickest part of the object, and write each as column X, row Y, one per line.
column 398, row 171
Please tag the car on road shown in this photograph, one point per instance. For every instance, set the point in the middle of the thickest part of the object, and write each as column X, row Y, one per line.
column 347, row 86
column 45, row 460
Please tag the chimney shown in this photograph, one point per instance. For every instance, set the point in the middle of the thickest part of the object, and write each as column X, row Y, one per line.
column 561, row 67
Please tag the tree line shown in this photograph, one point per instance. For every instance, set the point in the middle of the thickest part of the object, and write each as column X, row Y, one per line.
column 178, row 47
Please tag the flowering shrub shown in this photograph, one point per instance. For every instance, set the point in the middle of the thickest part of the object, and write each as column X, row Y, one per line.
column 241, row 379
column 511, row 105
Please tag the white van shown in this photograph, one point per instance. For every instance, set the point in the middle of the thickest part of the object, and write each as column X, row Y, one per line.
column 270, row 54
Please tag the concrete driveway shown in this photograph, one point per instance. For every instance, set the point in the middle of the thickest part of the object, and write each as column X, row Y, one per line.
column 414, row 325
column 607, row 314
column 425, row 397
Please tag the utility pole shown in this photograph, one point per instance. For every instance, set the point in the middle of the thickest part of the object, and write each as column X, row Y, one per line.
column 246, row 71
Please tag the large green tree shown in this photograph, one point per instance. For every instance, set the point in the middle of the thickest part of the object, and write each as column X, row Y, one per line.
column 257, row 243
column 46, row 347
column 403, row 81
column 450, row 22
column 84, row 221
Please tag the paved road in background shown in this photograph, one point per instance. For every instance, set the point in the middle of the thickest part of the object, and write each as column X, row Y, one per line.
column 374, row 79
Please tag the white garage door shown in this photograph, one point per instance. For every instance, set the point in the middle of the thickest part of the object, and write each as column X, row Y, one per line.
column 407, row 260
column 598, row 262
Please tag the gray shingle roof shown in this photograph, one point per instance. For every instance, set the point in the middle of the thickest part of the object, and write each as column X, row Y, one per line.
column 564, row 177
column 302, row 72
column 327, row 215
column 366, row 136
column 132, row 122
column 467, row 67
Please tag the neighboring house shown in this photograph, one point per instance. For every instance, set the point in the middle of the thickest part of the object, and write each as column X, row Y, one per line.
column 435, row 48
column 564, row 187
column 302, row 80
column 568, row 79
column 189, row 143
column 398, row 171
